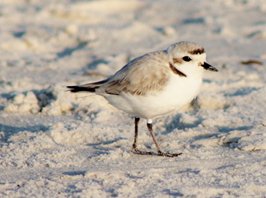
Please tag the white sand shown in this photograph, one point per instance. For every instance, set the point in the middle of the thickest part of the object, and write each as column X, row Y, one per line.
column 57, row 144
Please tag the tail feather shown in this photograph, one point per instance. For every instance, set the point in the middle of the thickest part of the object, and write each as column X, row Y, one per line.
column 90, row 87
column 75, row 89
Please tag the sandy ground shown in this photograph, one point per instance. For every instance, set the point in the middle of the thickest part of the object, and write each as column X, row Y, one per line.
column 57, row 144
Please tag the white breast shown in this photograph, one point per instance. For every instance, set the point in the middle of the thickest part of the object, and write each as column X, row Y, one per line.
column 178, row 92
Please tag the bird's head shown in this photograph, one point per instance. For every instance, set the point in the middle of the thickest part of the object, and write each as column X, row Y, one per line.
column 188, row 58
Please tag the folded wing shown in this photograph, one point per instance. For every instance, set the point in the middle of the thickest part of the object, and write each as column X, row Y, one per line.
column 142, row 75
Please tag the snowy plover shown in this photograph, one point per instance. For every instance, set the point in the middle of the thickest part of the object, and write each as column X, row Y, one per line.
column 154, row 84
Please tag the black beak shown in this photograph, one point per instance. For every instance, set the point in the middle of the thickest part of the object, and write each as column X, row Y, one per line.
column 209, row 67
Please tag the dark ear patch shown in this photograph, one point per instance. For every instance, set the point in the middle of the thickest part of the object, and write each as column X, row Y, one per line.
column 197, row 51
column 177, row 60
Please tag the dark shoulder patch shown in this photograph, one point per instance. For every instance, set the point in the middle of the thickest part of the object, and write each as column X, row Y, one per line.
column 176, row 71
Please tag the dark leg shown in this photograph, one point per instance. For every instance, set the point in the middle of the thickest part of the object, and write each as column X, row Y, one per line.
column 134, row 146
column 160, row 153
column 149, row 125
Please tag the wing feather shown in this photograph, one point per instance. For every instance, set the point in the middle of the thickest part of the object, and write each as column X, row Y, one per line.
column 142, row 75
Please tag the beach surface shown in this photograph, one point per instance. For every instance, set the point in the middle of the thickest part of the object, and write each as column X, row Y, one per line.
column 57, row 144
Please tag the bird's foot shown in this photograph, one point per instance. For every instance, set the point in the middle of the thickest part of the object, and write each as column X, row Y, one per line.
column 160, row 153
column 139, row 152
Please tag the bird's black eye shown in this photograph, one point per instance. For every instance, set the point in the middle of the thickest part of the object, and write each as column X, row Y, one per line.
column 186, row 58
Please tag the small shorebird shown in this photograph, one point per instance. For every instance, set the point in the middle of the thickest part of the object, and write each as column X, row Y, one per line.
column 153, row 85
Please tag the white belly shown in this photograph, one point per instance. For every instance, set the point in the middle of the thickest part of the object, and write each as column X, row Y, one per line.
column 177, row 93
